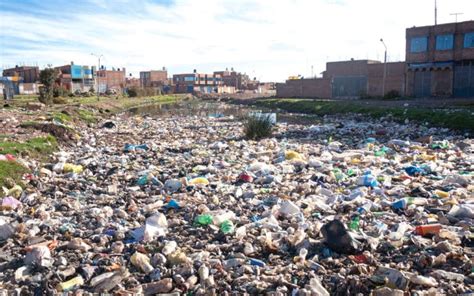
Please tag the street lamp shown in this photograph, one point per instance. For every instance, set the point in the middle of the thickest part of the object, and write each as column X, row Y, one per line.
column 384, row 68
column 97, row 74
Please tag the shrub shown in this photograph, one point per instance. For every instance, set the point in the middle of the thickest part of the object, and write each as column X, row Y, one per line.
column 133, row 92
column 45, row 96
column 60, row 91
column 393, row 94
column 256, row 128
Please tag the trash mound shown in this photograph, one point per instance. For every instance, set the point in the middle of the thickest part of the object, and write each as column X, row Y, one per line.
column 58, row 130
column 185, row 205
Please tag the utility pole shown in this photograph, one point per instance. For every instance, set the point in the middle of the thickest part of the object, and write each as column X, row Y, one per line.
column 97, row 74
column 384, row 68
column 456, row 15
column 312, row 71
column 436, row 12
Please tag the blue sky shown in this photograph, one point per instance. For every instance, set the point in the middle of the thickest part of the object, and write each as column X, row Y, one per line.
column 267, row 39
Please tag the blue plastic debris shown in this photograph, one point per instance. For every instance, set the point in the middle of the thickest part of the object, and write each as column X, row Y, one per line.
column 131, row 147
column 256, row 262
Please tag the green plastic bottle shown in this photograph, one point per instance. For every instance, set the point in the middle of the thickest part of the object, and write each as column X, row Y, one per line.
column 204, row 219
column 354, row 224
column 227, row 227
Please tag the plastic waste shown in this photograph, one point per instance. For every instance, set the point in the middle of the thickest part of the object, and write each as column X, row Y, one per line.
column 155, row 226
column 198, row 181
column 462, row 211
column 131, row 147
column 293, row 155
column 430, row 229
column 15, row 191
column 142, row 262
column 204, row 219
column 71, row 168
column 338, row 239
column 70, row 285
column 7, row 157
column 368, row 180
column 39, row 256
column 395, row 279
column 11, row 203
column 227, row 227
column 288, row 208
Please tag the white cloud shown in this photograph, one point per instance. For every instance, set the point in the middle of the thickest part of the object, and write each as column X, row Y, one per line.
column 267, row 39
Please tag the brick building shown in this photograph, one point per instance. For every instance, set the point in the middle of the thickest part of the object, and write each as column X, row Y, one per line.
column 28, row 74
column 348, row 79
column 239, row 81
column 440, row 60
column 111, row 80
column 154, row 78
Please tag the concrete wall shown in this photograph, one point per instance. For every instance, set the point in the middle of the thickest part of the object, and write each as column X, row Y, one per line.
column 304, row 88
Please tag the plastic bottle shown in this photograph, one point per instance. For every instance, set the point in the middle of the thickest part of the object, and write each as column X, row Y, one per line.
column 442, row 194
column 227, row 227
column 71, row 284
column 428, row 229
column 398, row 235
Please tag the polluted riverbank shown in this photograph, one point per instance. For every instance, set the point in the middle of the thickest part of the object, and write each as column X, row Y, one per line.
column 176, row 200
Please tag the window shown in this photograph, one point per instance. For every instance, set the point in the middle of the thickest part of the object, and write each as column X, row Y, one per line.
column 444, row 42
column 189, row 78
column 469, row 40
column 419, row 44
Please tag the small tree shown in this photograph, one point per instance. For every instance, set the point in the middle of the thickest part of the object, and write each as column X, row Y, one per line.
column 47, row 78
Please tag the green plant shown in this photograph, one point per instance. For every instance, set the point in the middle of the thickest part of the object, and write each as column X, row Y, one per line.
column 59, row 100
column 258, row 127
column 11, row 170
column 133, row 92
column 47, row 78
column 34, row 147
column 60, row 91
column 393, row 94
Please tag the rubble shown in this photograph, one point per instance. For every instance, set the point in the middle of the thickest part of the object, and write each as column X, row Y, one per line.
column 184, row 204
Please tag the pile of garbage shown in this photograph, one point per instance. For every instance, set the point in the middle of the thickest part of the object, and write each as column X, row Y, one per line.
column 186, row 205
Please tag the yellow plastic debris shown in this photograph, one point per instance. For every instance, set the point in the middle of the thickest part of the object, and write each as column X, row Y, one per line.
column 442, row 194
column 71, row 284
column 291, row 155
column 15, row 191
column 428, row 157
column 198, row 181
column 72, row 168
